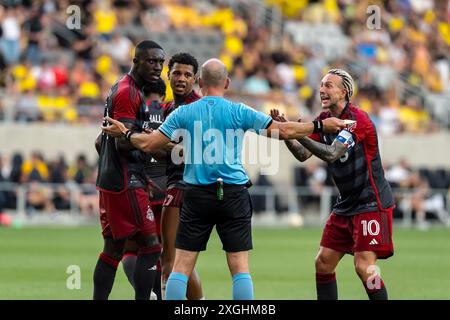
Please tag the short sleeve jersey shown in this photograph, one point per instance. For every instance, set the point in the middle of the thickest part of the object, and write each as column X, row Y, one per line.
column 213, row 129
column 358, row 174
column 174, row 171
column 124, row 102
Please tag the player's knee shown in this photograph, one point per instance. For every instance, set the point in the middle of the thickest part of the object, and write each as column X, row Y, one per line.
column 147, row 240
column 131, row 247
column 113, row 249
column 113, row 254
column 149, row 244
column 323, row 265
column 361, row 268
column 152, row 252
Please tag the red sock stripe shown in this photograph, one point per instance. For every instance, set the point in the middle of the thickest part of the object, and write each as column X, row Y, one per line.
column 373, row 285
column 129, row 254
column 324, row 278
column 151, row 249
column 109, row 260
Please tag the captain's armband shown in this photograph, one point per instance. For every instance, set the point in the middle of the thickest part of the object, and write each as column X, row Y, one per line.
column 346, row 138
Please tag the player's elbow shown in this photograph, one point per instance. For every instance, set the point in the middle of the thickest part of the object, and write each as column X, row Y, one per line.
column 302, row 158
column 329, row 158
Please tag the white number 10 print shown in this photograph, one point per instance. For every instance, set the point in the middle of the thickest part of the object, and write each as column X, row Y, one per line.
column 372, row 227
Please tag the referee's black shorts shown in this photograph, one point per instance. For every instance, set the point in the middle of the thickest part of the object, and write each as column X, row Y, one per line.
column 201, row 211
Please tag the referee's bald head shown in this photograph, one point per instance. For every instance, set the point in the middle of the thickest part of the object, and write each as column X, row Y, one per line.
column 214, row 74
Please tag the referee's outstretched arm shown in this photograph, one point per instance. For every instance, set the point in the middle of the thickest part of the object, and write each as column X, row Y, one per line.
column 143, row 141
column 296, row 130
column 280, row 130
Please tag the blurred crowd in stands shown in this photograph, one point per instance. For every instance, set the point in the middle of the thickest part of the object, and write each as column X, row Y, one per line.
column 53, row 74
column 422, row 193
column 53, row 185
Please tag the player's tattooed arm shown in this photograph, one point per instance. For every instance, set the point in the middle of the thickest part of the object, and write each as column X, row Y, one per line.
column 328, row 153
column 297, row 150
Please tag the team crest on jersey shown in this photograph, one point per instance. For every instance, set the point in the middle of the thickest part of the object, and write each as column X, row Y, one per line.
column 351, row 127
column 150, row 215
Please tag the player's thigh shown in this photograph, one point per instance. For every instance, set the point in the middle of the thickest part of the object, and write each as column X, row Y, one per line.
column 157, row 212
column 113, row 248
column 327, row 259
column 169, row 225
column 147, row 241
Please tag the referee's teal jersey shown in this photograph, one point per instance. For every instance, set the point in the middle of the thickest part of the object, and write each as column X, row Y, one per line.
column 213, row 129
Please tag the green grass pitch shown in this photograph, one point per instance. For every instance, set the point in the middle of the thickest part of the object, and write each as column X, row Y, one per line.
column 34, row 261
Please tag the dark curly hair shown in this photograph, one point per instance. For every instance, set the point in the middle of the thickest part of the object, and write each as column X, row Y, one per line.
column 184, row 58
column 158, row 87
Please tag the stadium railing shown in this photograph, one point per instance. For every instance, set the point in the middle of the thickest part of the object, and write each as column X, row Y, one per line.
column 275, row 205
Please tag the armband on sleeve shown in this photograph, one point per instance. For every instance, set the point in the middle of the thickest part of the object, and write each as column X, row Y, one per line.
column 347, row 139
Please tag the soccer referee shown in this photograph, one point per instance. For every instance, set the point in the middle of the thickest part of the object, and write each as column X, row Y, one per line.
column 216, row 181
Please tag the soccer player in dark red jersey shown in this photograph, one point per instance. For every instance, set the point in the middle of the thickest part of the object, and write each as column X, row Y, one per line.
column 182, row 73
column 155, row 171
column 361, row 221
column 125, row 211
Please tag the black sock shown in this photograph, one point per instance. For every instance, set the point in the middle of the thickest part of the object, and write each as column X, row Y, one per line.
column 326, row 286
column 377, row 289
column 157, row 284
column 104, row 275
column 128, row 265
column 144, row 274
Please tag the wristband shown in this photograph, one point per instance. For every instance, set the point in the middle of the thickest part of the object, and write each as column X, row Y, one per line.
column 128, row 134
column 318, row 126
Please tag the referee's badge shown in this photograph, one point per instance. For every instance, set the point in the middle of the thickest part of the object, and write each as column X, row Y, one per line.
column 150, row 215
